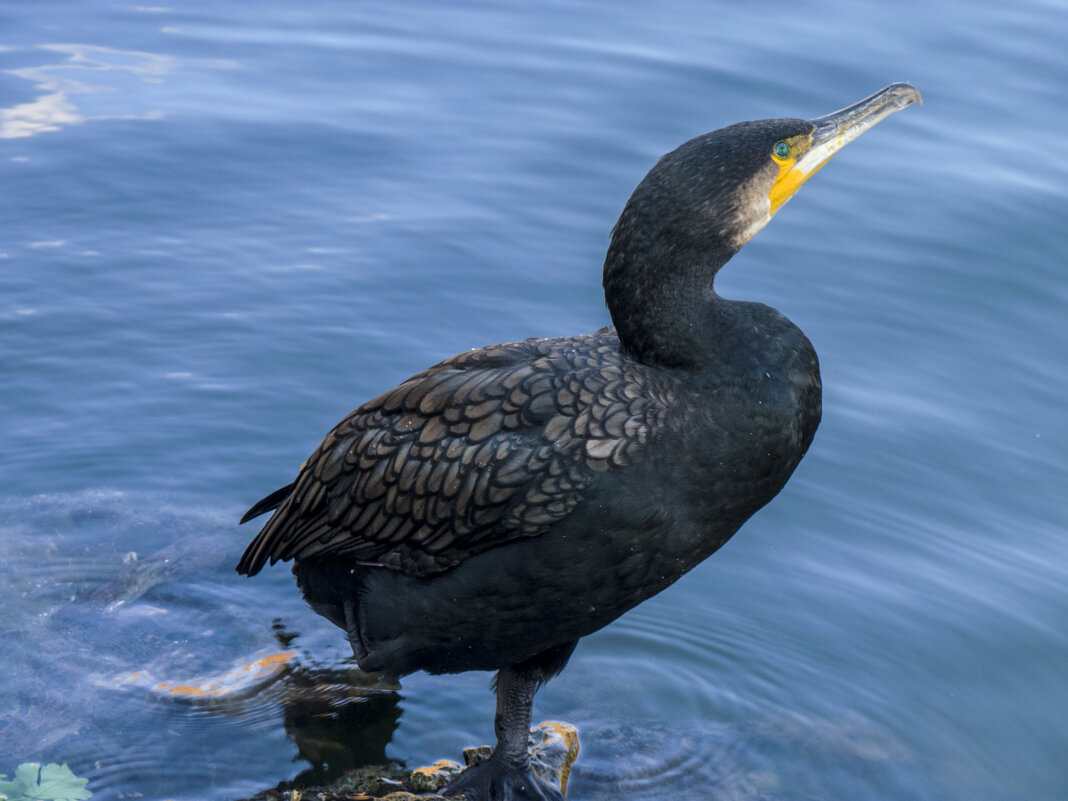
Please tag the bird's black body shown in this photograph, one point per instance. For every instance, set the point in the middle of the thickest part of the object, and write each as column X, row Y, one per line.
column 493, row 509
column 596, row 484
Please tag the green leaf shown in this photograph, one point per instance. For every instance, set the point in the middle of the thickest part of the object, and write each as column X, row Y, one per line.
column 7, row 789
column 27, row 773
column 51, row 783
column 11, row 790
column 58, row 783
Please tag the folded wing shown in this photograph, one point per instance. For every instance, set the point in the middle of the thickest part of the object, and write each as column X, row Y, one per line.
column 488, row 446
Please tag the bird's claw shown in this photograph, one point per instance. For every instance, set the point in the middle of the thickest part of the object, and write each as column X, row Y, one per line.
column 493, row 781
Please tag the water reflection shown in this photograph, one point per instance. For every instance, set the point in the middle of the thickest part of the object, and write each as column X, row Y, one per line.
column 337, row 723
column 111, row 644
column 84, row 70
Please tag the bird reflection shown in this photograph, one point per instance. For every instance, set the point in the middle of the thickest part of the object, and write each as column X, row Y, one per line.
column 336, row 724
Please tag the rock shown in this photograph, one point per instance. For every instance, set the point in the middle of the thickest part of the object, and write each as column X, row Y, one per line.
column 434, row 777
column 553, row 749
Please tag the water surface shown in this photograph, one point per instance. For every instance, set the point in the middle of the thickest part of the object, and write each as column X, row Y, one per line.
column 222, row 226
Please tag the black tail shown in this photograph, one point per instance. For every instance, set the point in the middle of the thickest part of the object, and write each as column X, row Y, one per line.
column 255, row 557
column 272, row 501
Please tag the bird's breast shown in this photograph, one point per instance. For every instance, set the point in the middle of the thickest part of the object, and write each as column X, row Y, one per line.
column 732, row 447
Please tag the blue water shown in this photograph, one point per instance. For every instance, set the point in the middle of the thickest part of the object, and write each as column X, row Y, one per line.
column 223, row 225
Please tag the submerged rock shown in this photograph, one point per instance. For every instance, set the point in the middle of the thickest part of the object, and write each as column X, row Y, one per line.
column 554, row 747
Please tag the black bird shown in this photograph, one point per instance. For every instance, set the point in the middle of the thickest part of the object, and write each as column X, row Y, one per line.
column 495, row 508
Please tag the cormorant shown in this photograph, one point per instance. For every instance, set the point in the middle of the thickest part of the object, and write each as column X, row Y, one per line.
column 495, row 508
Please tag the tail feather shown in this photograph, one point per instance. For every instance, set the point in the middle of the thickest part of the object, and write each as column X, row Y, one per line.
column 272, row 501
column 256, row 555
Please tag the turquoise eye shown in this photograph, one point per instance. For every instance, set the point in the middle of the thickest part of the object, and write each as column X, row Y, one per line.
column 782, row 150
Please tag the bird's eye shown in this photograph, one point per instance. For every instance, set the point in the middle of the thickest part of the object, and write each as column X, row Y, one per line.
column 781, row 149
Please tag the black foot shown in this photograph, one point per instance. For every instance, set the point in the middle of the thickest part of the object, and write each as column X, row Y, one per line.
column 493, row 781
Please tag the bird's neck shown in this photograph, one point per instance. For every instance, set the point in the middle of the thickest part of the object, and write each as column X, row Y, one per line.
column 662, row 303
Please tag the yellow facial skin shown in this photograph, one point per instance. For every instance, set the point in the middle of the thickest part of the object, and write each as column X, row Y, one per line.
column 808, row 152
column 801, row 163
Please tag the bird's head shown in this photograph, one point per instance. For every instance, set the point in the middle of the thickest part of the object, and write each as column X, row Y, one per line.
column 719, row 189
column 704, row 200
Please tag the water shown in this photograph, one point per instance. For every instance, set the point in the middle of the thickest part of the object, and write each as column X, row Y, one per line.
column 224, row 225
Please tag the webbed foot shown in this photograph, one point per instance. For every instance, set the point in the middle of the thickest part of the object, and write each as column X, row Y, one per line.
column 492, row 780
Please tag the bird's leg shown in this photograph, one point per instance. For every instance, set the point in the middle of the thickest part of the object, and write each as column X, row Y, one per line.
column 511, row 723
column 506, row 775
column 352, row 629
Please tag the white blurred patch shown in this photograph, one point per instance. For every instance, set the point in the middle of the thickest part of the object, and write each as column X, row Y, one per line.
column 79, row 73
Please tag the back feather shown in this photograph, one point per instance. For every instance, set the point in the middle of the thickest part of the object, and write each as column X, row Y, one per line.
column 486, row 447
